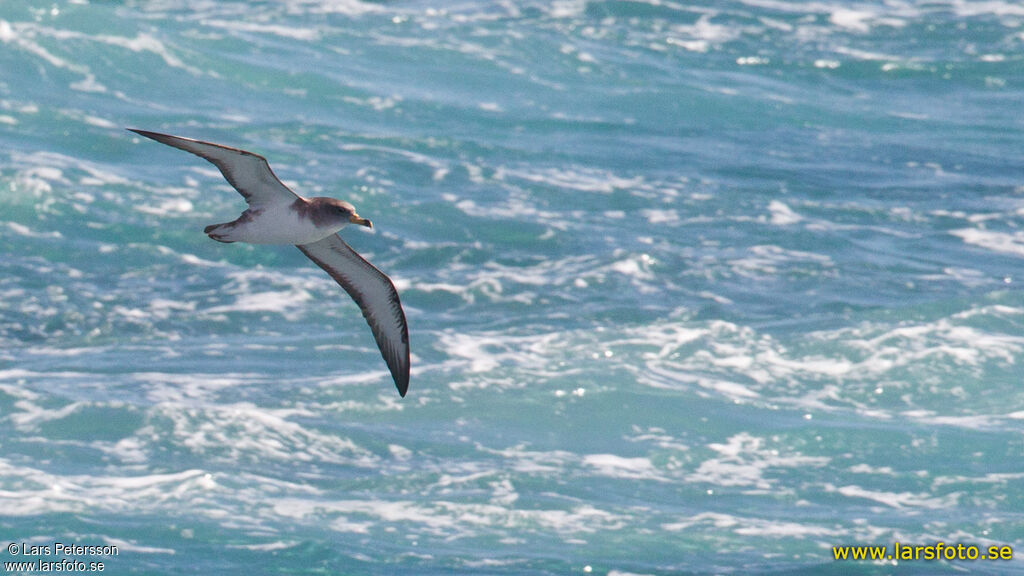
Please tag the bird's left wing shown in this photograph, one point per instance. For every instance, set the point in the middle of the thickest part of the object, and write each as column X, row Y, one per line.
column 249, row 173
column 376, row 296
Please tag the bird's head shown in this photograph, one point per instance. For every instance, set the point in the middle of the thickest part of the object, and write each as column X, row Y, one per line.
column 344, row 211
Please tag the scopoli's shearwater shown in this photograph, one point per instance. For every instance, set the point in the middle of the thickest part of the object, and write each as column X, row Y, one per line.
column 276, row 215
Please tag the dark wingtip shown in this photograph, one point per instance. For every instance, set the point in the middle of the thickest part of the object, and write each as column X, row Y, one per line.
column 403, row 387
column 145, row 133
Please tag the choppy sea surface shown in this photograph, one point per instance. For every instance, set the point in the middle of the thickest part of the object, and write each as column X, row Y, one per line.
column 692, row 287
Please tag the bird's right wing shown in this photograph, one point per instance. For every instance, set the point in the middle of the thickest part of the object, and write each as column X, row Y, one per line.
column 249, row 173
column 376, row 296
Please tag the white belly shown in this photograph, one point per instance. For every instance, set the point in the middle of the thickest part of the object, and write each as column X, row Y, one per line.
column 278, row 225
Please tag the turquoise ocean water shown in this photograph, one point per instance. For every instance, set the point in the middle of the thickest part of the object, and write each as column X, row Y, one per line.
column 692, row 288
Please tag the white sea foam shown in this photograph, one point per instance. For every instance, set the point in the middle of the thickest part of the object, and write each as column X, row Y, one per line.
column 26, row 35
column 237, row 25
column 497, row 282
column 44, row 493
column 712, row 519
column 190, row 259
column 349, row 7
column 989, row 478
column 163, row 387
column 969, row 9
column 146, row 43
column 22, row 230
column 266, row 547
column 743, row 461
column 901, row 499
column 855, row 20
column 52, row 180
column 22, row 35
column 1006, row 242
column 438, row 168
column 126, row 546
column 577, row 178
column 241, row 431
column 140, row 43
column 258, row 290
column 618, row 467
column 447, row 518
column 537, row 462
column 166, row 207
column 517, row 209
column 30, row 414
column 482, row 353
column 781, row 214
column 768, row 260
column 661, row 216
column 841, row 368
column 566, row 8
column 280, row 302
column 753, row 527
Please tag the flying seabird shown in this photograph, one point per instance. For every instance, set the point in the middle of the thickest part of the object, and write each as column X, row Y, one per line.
column 276, row 215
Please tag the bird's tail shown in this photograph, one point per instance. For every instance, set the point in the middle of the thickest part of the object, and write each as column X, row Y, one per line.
column 220, row 232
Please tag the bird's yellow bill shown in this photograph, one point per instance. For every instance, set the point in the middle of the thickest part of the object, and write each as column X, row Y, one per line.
column 356, row 219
